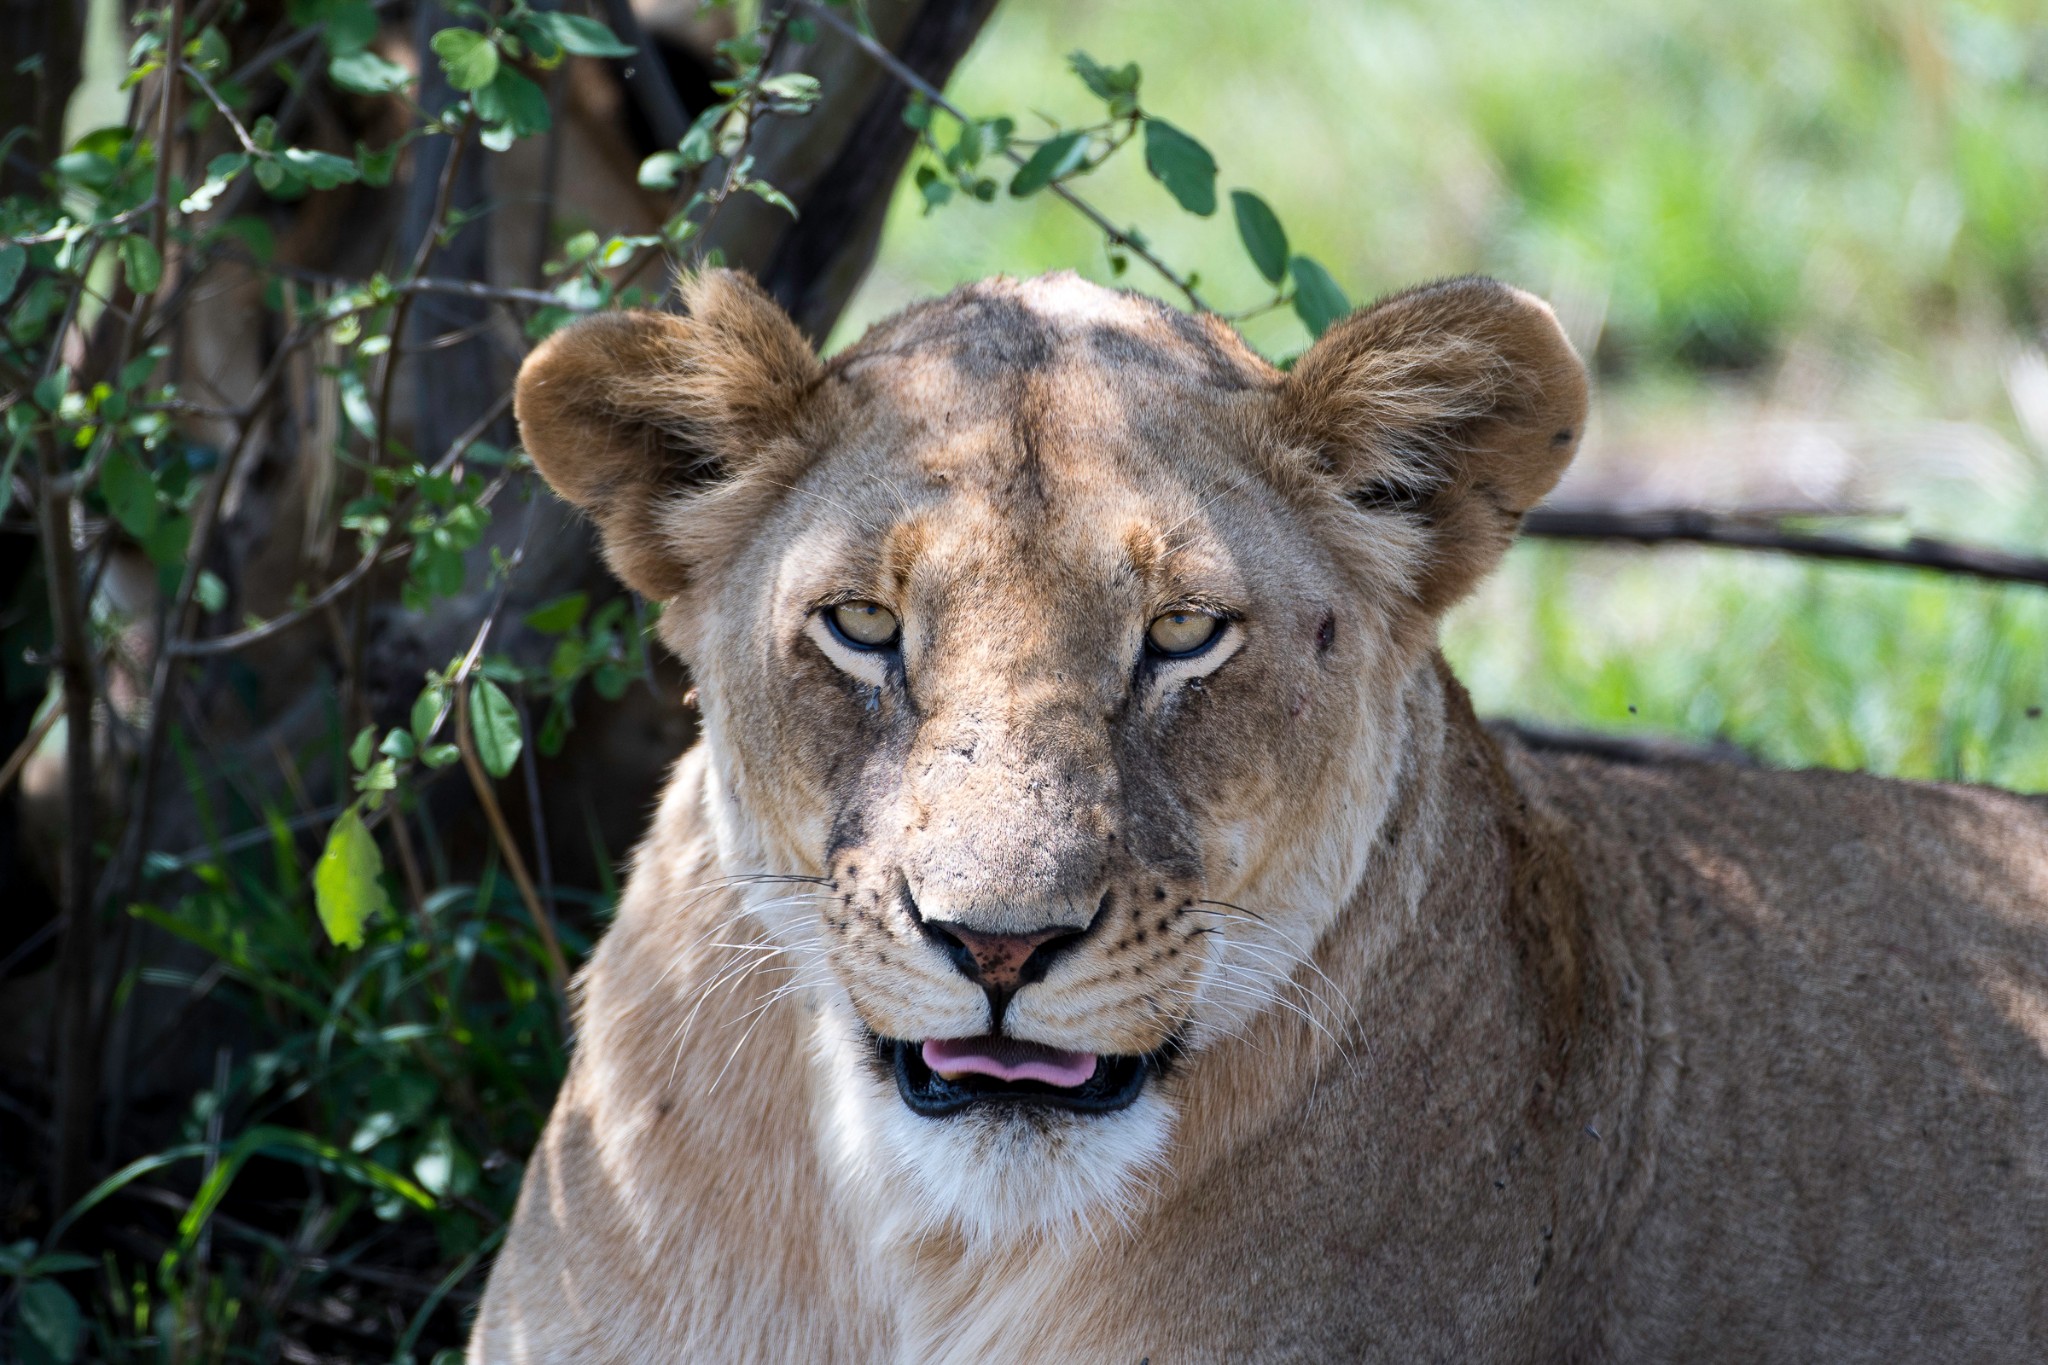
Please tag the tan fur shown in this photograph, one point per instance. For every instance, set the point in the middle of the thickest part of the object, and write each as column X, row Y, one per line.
column 1484, row 1055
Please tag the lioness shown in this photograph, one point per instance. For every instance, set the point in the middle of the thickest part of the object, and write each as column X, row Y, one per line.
column 1094, row 927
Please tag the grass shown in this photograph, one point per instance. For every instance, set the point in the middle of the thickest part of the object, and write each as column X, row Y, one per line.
column 1891, row 671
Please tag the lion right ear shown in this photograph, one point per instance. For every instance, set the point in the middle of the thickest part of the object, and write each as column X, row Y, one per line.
column 1452, row 409
column 630, row 414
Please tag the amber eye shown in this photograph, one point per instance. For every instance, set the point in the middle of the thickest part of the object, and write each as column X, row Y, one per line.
column 863, row 624
column 1182, row 632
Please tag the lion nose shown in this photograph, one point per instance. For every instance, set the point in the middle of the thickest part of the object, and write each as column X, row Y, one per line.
column 1001, row 963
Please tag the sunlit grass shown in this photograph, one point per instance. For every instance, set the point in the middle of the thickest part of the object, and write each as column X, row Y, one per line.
column 1894, row 671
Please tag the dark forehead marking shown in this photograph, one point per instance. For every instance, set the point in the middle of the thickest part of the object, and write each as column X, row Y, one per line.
column 990, row 338
column 1224, row 366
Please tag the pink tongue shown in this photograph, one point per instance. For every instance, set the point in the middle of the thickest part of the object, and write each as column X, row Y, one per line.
column 1008, row 1059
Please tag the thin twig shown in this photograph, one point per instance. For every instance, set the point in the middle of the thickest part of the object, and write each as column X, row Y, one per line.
column 372, row 556
column 543, row 923
column 530, row 768
column 1696, row 527
column 58, row 234
column 123, row 874
column 28, row 746
column 76, row 1071
column 896, row 67
column 436, row 284
column 206, row 88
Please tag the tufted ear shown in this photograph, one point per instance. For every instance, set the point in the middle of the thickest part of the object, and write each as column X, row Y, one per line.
column 626, row 414
column 1455, row 405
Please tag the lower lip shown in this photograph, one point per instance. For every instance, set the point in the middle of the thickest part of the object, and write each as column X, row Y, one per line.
column 1116, row 1084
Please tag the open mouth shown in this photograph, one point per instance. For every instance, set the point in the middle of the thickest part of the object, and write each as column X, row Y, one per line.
column 944, row 1076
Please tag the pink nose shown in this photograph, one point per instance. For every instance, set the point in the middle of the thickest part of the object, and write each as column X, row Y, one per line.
column 996, row 961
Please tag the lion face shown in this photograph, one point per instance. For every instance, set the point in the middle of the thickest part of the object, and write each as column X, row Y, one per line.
column 1052, row 650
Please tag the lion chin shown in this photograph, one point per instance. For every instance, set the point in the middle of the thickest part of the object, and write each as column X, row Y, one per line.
column 993, row 1174
column 1092, row 924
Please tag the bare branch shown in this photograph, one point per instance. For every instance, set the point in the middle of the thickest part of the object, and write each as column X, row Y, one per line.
column 1695, row 527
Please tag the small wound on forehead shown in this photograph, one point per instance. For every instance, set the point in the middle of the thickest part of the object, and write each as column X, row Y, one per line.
column 900, row 550
column 1143, row 551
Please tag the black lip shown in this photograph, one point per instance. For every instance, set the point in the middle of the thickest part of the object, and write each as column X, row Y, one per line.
column 1116, row 1084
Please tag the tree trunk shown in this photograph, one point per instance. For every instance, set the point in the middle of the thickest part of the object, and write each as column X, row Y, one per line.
column 363, row 660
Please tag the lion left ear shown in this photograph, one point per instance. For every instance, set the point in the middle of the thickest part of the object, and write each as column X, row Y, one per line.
column 657, row 424
column 1457, row 405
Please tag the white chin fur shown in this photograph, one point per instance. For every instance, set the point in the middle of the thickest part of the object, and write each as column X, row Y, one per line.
column 991, row 1175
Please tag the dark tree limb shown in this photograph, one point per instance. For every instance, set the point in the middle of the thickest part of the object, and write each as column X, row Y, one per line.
column 646, row 76
column 33, row 102
column 822, row 258
column 1644, row 750
column 1694, row 527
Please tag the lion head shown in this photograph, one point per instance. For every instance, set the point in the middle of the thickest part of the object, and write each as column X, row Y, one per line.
column 1055, row 656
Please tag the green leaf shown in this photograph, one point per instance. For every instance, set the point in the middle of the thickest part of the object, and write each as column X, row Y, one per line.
column 208, row 52
column 794, row 88
column 351, row 25
column 584, row 37
column 697, row 146
column 360, row 748
column 514, row 102
column 559, row 616
column 166, row 544
column 144, row 264
column 220, row 172
column 366, row 73
column 1119, row 87
column 1055, row 157
column 376, row 166
column 1317, row 299
column 934, row 187
column 426, row 709
column 443, row 1167
column 469, row 59
column 322, row 170
column 49, row 1317
column 210, row 591
column 130, row 494
column 13, row 260
column 1181, row 164
column 58, row 1262
column 1265, row 241
column 494, row 722
column 659, row 172
column 772, row 195
column 89, row 169
column 347, row 887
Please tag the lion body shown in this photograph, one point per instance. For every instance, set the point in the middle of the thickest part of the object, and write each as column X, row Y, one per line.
column 1583, row 1061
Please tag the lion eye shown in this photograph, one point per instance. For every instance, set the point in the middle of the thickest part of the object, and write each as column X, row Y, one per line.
column 1182, row 632
column 864, row 624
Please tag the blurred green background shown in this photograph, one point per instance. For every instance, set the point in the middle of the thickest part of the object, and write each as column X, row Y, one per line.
column 1804, row 244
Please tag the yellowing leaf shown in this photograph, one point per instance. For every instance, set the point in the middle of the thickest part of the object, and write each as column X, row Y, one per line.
column 348, row 889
